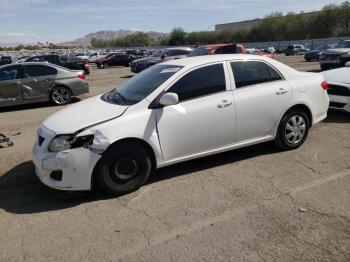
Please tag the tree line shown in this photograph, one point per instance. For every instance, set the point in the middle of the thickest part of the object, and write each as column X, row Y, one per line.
column 332, row 21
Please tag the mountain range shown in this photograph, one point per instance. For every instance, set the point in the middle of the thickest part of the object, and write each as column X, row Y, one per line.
column 108, row 35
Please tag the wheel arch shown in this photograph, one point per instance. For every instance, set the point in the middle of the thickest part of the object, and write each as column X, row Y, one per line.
column 60, row 85
column 301, row 106
column 134, row 140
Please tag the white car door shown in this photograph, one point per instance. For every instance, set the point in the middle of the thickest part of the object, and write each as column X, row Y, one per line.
column 204, row 117
column 260, row 96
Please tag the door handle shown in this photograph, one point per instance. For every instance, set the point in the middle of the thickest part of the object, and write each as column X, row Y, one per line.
column 281, row 91
column 224, row 104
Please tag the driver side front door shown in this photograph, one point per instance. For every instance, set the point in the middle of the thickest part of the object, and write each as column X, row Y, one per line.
column 203, row 120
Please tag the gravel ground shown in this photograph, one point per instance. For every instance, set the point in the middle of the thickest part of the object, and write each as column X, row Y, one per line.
column 251, row 204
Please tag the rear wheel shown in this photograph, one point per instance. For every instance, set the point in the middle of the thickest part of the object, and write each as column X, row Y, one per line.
column 60, row 95
column 124, row 168
column 293, row 129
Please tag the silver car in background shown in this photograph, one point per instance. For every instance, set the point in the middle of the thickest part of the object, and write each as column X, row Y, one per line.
column 33, row 82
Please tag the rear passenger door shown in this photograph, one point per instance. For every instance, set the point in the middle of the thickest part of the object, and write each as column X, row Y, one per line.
column 260, row 96
column 10, row 79
column 38, row 81
column 203, row 119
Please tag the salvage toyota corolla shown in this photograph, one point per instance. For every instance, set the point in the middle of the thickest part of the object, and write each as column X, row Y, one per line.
column 173, row 112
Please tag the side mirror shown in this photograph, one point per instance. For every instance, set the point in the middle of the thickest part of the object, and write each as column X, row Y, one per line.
column 169, row 99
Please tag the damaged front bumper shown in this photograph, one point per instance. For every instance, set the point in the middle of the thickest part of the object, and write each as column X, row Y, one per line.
column 66, row 170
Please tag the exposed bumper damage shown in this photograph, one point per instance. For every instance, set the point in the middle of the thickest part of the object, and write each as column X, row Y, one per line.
column 70, row 169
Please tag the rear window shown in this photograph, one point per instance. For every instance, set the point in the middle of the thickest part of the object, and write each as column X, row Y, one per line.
column 200, row 51
column 39, row 70
column 248, row 73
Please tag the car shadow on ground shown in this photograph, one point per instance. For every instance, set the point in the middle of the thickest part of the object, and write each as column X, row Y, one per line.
column 127, row 76
column 337, row 117
column 33, row 106
column 21, row 192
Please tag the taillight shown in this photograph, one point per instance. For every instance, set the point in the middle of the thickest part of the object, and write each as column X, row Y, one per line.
column 81, row 75
column 324, row 85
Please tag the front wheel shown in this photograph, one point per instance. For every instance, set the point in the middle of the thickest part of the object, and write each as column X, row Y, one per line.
column 124, row 168
column 60, row 95
column 293, row 129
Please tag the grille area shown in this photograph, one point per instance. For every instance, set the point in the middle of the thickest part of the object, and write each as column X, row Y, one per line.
column 336, row 105
column 338, row 90
column 332, row 57
column 41, row 140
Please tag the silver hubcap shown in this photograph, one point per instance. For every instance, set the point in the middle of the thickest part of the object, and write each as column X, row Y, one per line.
column 61, row 96
column 295, row 129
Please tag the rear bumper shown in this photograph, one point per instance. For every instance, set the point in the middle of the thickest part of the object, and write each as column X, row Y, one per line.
column 83, row 88
column 341, row 103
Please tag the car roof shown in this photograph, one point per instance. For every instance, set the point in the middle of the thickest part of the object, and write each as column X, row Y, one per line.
column 178, row 48
column 199, row 60
column 217, row 45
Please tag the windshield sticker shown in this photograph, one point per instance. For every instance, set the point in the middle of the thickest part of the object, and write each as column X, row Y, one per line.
column 170, row 70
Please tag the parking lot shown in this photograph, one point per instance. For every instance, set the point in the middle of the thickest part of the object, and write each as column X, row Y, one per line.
column 251, row 204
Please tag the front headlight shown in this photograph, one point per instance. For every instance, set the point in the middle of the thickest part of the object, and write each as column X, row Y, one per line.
column 65, row 142
column 346, row 55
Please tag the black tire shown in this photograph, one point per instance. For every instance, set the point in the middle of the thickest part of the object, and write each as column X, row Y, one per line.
column 324, row 67
column 105, row 65
column 60, row 95
column 308, row 59
column 123, row 169
column 286, row 134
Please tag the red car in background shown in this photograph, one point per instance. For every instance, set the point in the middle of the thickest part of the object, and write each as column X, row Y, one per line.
column 255, row 51
column 218, row 49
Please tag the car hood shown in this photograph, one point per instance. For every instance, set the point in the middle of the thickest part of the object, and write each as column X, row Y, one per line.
column 313, row 52
column 83, row 114
column 337, row 51
column 339, row 75
column 148, row 60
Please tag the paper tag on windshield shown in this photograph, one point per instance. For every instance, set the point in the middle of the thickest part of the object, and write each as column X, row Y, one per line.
column 170, row 70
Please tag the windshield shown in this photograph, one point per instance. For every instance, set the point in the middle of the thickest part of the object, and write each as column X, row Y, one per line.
column 199, row 51
column 141, row 85
column 158, row 53
column 345, row 44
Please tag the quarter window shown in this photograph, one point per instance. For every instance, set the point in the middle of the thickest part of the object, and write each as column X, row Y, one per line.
column 203, row 81
column 252, row 73
column 10, row 73
column 39, row 70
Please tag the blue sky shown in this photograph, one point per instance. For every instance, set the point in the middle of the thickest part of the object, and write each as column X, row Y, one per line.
column 30, row 21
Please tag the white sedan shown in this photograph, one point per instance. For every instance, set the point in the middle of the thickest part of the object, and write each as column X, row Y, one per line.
column 173, row 112
column 339, row 88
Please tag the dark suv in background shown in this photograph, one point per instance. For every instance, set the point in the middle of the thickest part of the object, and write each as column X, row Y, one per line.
column 115, row 59
column 218, row 49
column 64, row 61
column 4, row 60
column 159, row 57
column 336, row 57
column 296, row 50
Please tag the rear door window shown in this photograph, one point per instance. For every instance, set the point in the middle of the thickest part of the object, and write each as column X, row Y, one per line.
column 248, row 73
column 39, row 70
column 10, row 73
column 200, row 82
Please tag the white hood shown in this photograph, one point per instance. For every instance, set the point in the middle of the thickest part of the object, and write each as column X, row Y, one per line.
column 339, row 75
column 83, row 114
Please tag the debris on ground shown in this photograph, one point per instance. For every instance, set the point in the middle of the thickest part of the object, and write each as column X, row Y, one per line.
column 5, row 141
column 301, row 209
